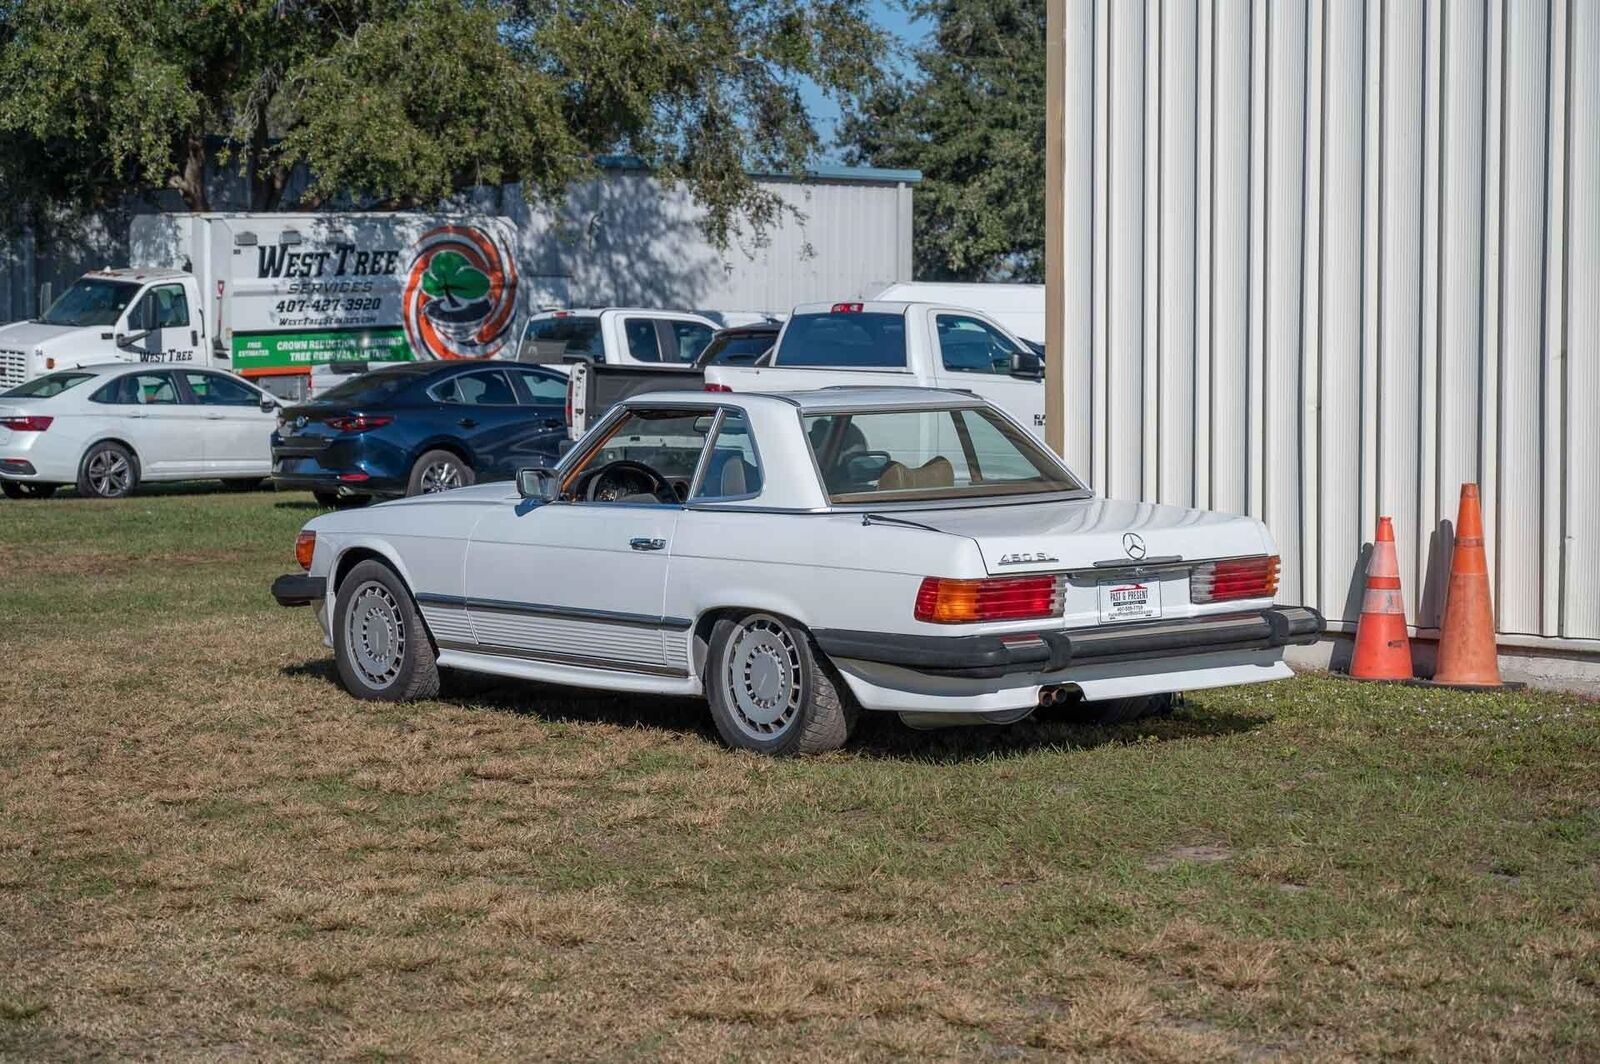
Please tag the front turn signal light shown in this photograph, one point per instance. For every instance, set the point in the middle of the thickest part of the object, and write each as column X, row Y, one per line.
column 305, row 545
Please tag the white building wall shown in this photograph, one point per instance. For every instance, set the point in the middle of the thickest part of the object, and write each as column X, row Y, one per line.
column 1322, row 260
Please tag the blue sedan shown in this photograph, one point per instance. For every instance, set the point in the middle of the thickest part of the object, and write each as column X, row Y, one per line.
column 420, row 427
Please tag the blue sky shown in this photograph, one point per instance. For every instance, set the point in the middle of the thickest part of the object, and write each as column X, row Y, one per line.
column 892, row 16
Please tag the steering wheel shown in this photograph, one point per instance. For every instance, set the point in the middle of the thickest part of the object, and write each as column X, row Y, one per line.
column 616, row 479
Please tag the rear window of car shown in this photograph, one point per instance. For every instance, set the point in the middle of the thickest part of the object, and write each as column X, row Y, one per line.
column 48, row 385
column 553, row 339
column 736, row 349
column 861, row 341
column 913, row 455
column 368, row 387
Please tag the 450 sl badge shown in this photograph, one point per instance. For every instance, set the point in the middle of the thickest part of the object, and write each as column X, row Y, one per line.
column 1025, row 558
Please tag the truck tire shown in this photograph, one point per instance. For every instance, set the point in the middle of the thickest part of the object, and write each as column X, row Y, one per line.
column 771, row 692
column 439, row 471
column 380, row 645
column 108, row 471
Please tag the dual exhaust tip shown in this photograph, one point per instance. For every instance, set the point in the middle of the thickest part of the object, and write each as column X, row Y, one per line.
column 1057, row 695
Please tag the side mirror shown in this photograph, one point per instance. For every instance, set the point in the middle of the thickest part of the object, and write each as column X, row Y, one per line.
column 1026, row 365
column 539, row 483
column 268, row 404
column 129, row 339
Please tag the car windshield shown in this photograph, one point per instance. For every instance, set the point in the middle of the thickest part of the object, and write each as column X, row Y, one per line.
column 866, row 341
column 48, row 385
column 553, row 339
column 736, row 349
column 368, row 387
column 91, row 301
column 915, row 455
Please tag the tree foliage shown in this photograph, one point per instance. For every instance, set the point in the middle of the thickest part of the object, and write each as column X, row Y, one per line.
column 401, row 102
column 971, row 118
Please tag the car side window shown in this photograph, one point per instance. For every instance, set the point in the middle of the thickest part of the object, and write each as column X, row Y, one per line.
column 139, row 389
column 642, row 342
column 734, row 470
column 483, row 388
column 163, row 307
column 968, row 345
column 692, row 338
column 213, row 389
column 536, row 389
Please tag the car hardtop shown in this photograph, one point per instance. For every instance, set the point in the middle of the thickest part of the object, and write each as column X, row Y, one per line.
column 834, row 399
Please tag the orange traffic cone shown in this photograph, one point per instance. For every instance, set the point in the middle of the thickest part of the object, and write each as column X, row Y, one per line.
column 1383, row 652
column 1466, row 638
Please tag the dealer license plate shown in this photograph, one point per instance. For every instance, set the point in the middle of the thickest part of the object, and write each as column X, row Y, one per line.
column 1129, row 602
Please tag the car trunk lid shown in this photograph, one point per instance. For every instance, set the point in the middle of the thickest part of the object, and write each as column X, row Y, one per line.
column 1126, row 560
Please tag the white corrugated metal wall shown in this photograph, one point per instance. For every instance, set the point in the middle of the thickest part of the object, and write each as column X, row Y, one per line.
column 1319, row 261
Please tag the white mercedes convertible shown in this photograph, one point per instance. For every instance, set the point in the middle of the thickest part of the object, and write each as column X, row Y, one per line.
column 794, row 558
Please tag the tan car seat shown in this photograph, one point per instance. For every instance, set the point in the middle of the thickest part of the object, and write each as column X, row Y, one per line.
column 936, row 472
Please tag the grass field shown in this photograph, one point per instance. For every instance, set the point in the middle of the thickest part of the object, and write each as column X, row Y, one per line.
column 208, row 851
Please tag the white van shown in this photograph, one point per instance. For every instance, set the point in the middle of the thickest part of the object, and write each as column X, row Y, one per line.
column 1019, row 307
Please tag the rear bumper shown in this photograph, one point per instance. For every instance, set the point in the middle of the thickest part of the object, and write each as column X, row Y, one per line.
column 987, row 656
column 297, row 589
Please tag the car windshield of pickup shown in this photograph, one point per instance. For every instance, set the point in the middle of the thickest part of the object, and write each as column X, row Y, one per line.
column 91, row 301
column 924, row 455
column 849, row 340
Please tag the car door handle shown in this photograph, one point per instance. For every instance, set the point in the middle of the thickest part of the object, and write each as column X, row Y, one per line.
column 467, row 422
column 645, row 543
column 214, row 417
column 137, row 413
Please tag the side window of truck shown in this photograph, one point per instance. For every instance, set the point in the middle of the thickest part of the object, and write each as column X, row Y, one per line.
column 642, row 343
column 691, row 338
column 967, row 345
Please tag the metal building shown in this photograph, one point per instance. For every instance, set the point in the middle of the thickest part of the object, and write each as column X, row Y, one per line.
column 1322, row 260
column 621, row 239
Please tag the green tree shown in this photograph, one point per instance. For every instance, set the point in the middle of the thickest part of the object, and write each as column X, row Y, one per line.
column 971, row 118
column 400, row 102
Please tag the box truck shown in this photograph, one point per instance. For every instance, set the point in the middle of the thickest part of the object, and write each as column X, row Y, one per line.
column 275, row 296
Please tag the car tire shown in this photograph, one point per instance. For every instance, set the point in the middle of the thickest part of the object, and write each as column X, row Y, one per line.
column 380, row 646
column 334, row 501
column 771, row 692
column 242, row 483
column 108, row 471
column 439, row 471
column 1112, row 711
column 15, row 490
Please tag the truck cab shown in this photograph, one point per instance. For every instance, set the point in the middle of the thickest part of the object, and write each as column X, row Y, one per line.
column 890, row 343
column 616, row 336
column 127, row 315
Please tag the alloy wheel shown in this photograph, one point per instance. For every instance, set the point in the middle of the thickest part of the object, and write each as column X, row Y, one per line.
column 375, row 634
column 110, row 474
column 762, row 677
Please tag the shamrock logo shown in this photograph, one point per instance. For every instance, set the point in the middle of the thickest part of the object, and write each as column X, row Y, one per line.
column 452, row 278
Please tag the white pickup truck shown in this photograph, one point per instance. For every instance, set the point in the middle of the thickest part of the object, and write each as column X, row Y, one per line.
column 615, row 336
column 884, row 344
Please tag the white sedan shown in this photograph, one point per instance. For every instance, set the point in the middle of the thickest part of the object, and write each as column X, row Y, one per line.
column 796, row 557
column 107, row 428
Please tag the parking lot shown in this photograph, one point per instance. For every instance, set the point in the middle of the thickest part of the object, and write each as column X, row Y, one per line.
column 207, row 849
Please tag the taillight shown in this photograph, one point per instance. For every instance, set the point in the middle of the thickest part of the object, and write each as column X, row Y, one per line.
column 305, row 545
column 31, row 423
column 847, row 308
column 717, row 387
column 1008, row 598
column 1235, row 578
column 359, row 422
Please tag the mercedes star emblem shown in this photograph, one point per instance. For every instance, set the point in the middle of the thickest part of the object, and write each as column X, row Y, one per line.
column 1133, row 544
